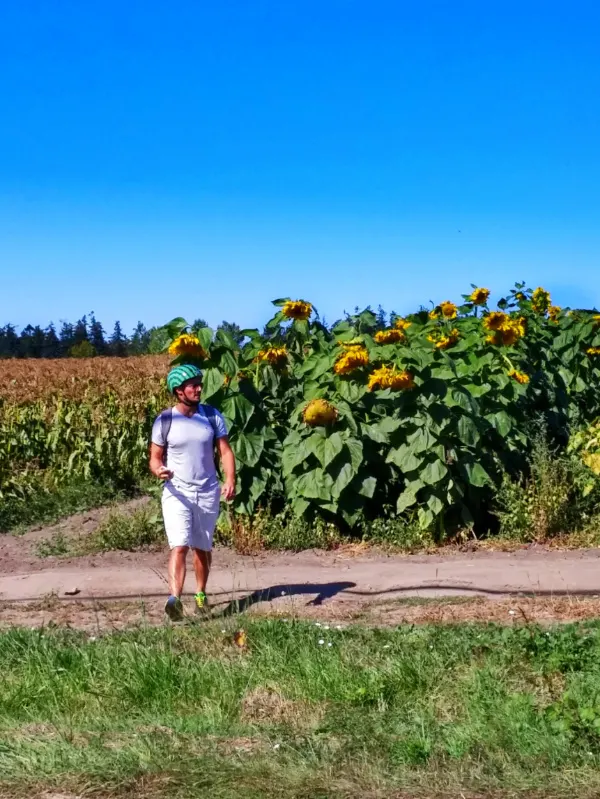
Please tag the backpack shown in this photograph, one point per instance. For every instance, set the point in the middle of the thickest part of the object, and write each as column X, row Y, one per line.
column 166, row 419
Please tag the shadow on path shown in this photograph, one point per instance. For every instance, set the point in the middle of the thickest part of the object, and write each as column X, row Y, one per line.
column 323, row 590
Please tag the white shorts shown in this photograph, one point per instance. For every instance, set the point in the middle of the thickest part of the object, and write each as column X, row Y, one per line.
column 190, row 516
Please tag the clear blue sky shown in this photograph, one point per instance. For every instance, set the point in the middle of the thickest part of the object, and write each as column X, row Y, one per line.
column 201, row 158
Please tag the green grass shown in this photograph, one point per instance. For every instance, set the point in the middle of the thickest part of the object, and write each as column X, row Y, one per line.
column 182, row 712
column 127, row 531
column 47, row 505
column 140, row 529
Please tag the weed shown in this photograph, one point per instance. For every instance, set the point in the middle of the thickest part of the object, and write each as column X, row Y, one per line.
column 401, row 533
column 57, row 546
column 556, row 497
column 130, row 532
column 266, row 530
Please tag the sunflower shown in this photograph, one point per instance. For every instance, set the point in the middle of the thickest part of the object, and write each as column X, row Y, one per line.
column 520, row 377
column 596, row 318
column 510, row 335
column 352, row 358
column 505, row 331
column 554, row 312
column 276, row 356
column 593, row 351
column 495, row 320
column 392, row 336
column 401, row 324
column 540, row 300
column 479, row 296
column 434, row 314
column 319, row 412
column 520, row 296
column 388, row 377
column 504, row 338
column 355, row 342
column 297, row 309
column 448, row 309
column 520, row 325
column 187, row 344
column 443, row 342
column 507, row 335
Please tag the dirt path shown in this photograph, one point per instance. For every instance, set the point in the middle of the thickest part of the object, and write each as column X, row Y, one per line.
column 320, row 576
column 326, row 584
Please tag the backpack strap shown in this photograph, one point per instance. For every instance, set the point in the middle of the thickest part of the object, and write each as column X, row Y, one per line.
column 211, row 415
column 166, row 419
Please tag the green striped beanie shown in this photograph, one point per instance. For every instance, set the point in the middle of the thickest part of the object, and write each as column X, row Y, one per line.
column 179, row 374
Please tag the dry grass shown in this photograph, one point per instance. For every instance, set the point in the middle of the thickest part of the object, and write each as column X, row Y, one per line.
column 267, row 706
column 458, row 610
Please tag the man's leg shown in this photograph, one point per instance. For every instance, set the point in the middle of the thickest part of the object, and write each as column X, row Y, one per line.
column 206, row 512
column 177, row 515
column 202, row 564
column 177, row 570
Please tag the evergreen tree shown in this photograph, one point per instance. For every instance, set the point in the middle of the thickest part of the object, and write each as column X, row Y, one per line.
column 66, row 338
column 118, row 342
column 234, row 331
column 381, row 318
column 25, row 342
column 96, row 335
column 199, row 323
column 31, row 342
column 140, row 340
column 9, row 342
column 80, row 332
column 51, row 343
column 84, row 349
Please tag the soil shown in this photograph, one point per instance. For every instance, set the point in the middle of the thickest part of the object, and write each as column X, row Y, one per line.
column 119, row 589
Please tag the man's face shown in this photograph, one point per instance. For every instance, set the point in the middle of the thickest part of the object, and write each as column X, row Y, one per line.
column 191, row 390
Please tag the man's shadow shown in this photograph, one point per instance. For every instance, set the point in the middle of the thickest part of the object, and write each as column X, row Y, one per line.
column 322, row 590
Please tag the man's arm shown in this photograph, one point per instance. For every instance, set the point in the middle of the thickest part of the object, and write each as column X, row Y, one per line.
column 157, row 467
column 228, row 460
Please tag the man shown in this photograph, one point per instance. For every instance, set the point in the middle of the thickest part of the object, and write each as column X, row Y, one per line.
column 182, row 455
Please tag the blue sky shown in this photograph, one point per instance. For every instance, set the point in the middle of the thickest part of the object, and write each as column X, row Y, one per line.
column 200, row 159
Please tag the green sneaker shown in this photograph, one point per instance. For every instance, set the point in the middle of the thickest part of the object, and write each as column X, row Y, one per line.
column 201, row 602
column 174, row 608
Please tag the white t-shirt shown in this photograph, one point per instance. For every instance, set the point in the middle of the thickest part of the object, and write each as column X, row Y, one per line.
column 190, row 448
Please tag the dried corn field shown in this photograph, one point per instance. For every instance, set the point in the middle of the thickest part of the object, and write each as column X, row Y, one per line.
column 75, row 420
column 23, row 381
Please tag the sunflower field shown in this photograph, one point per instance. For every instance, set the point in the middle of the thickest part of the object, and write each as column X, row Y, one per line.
column 421, row 418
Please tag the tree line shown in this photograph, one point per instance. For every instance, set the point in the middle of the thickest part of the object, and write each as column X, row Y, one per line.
column 87, row 338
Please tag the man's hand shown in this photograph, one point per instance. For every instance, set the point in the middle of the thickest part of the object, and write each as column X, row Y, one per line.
column 228, row 490
column 157, row 467
column 163, row 473
column 228, row 461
